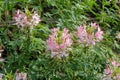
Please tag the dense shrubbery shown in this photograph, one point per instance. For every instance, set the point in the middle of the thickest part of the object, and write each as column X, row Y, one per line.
column 59, row 39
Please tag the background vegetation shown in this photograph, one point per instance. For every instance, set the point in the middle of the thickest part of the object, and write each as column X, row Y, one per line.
column 33, row 58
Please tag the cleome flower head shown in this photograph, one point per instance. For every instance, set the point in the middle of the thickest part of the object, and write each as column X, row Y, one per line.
column 21, row 76
column 35, row 19
column 112, row 71
column 89, row 35
column 59, row 42
column 20, row 18
column 23, row 19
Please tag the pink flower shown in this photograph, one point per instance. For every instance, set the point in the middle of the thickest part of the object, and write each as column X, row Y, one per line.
column 82, row 34
column 59, row 42
column 93, row 42
column 94, row 25
column 66, row 40
column 21, row 76
column 59, row 54
column 115, row 64
column 108, row 71
column 117, row 77
column 35, row 20
column 22, row 20
column 99, row 34
column 52, row 45
column 88, row 36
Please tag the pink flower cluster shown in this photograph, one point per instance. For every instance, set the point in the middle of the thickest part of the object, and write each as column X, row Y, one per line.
column 18, row 76
column 21, row 76
column 22, row 20
column 110, row 71
column 89, row 35
column 59, row 42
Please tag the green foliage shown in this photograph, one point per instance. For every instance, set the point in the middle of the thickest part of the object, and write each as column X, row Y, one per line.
column 82, row 64
column 26, row 51
column 65, row 13
column 41, row 31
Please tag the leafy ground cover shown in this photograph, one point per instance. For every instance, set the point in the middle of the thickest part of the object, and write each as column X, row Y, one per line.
column 59, row 40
